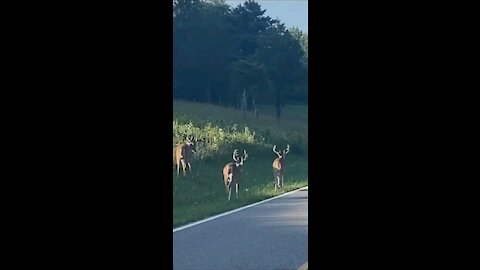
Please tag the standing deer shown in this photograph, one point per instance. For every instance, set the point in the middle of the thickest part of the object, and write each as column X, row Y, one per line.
column 279, row 167
column 232, row 172
column 184, row 155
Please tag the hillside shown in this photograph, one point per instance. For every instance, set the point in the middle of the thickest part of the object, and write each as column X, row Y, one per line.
column 202, row 193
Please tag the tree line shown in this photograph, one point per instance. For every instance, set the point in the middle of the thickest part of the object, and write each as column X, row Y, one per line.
column 236, row 56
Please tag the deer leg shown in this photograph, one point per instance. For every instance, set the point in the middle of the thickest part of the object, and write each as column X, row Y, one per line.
column 178, row 168
column 230, row 179
column 274, row 179
column 282, row 181
column 236, row 189
column 228, row 183
column 189, row 167
column 183, row 167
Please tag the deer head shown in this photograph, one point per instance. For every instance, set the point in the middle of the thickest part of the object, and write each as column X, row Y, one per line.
column 240, row 160
column 283, row 153
column 191, row 142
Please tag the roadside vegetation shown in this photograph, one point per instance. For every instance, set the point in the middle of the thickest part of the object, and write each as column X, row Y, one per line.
column 202, row 194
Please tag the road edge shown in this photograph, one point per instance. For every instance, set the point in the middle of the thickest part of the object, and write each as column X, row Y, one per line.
column 304, row 266
column 236, row 210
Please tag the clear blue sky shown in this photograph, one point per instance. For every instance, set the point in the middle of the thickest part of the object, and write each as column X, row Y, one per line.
column 290, row 12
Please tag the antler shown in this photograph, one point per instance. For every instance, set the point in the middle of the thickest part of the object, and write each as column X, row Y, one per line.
column 287, row 150
column 242, row 159
column 189, row 139
column 275, row 150
column 235, row 155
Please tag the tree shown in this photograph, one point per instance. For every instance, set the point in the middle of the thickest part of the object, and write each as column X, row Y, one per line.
column 185, row 31
column 250, row 75
column 249, row 21
column 282, row 54
column 302, row 38
column 202, row 49
column 219, row 52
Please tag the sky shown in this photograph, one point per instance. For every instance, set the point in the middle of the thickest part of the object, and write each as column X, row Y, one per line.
column 290, row 12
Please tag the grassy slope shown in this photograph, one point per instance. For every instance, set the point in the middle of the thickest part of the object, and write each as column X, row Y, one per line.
column 294, row 118
column 202, row 194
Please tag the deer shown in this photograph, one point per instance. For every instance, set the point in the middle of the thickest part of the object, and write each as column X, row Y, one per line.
column 184, row 155
column 279, row 167
column 232, row 172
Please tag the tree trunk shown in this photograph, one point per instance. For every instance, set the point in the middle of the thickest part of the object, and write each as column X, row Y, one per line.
column 244, row 105
column 278, row 106
column 208, row 94
column 255, row 110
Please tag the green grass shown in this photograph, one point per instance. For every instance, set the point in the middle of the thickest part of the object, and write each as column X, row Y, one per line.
column 202, row 194
column 298, row 113
column 294, row 117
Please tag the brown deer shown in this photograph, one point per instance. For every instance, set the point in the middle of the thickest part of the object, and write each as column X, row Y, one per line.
column 184, row 155
column 232, row 172
column 279, row 167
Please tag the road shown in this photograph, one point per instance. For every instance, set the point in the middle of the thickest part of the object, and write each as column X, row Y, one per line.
column 268, row 236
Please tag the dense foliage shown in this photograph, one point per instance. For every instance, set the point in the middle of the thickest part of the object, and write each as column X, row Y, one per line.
column 220, row 53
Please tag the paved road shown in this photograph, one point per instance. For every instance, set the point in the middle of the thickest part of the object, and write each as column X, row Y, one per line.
column 271, row 235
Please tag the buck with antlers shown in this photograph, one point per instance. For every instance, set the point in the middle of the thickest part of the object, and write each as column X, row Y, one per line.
column 232, row 172
column 184, row 154
column 279, row 167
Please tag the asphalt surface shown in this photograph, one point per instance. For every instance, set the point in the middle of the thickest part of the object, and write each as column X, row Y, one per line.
column 269, row 236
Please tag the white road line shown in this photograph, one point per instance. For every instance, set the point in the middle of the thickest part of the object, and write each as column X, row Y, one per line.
column 236, row 210
column 304, row 266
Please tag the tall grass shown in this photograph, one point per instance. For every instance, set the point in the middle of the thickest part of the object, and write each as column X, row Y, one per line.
column 216, row 122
